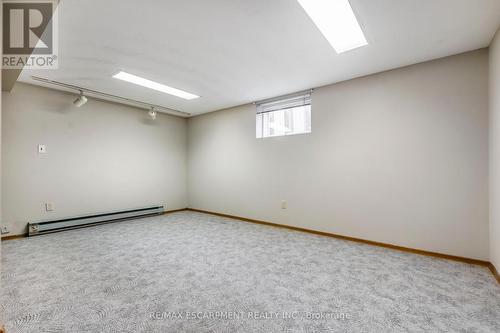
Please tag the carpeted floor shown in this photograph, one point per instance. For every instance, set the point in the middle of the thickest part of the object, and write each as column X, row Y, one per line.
column 191, row 272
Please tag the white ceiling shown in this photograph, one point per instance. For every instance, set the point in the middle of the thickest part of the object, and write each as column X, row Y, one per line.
column 232, row 52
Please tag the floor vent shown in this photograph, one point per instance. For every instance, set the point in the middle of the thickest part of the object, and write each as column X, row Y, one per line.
column 45, row 227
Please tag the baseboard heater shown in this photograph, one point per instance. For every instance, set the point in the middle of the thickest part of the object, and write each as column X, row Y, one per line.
column 45, row 227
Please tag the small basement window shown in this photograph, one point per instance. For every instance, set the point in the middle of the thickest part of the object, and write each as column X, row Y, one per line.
column 282, row 116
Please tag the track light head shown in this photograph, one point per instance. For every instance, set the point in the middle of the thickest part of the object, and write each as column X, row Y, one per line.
column 152, row 114
column 81, row 100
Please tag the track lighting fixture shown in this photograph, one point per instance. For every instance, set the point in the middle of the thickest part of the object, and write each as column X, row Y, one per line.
column 81, row 100
column 152, row 113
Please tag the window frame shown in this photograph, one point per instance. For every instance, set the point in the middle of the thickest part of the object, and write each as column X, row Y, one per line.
column 289, row 106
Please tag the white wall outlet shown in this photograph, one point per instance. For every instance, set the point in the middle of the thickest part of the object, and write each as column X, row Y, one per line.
column 284, row 204
column 41, row 149
column 5, row 230
column 49, row 207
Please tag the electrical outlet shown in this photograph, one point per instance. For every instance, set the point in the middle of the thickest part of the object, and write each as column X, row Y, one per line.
column 5, row 230
column 41, row 149
column 49, row 207
column 284, row 204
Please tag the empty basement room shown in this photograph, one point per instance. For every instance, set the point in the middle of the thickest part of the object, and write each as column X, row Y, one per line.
column 250, row 166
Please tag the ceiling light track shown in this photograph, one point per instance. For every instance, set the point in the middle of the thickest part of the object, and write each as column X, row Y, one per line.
column 106, row 96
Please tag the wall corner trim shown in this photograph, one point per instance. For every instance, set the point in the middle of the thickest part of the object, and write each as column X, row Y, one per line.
column 494, row 272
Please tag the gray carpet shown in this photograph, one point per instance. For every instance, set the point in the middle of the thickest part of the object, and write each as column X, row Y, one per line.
column 191, row 272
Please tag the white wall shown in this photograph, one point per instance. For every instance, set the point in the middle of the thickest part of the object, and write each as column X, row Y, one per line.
column 399, row 157
column 100, row 157
column 495, row 151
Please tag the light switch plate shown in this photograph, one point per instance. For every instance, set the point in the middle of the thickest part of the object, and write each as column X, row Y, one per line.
column 49, row 206
column 41, row 149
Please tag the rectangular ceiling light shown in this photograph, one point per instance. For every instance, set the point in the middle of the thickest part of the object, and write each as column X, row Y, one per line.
column 154, row 85
column 337, row 22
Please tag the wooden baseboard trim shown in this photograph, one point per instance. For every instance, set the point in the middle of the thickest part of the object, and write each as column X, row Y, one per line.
column 5, row 238
column 327, row 234
column 175, row 211
column 494, row 271
column 353, row 239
